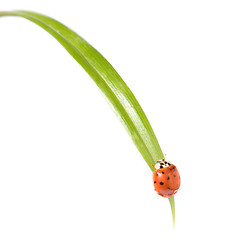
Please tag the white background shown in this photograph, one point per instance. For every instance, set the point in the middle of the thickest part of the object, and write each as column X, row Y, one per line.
column 68, row 169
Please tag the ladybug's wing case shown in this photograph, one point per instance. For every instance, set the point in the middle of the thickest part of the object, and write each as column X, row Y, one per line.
column 166, row 180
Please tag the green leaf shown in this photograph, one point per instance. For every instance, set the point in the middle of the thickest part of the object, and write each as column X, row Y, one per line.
column 115, row 90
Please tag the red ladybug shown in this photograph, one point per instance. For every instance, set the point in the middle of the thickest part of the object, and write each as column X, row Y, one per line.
column 166, row 178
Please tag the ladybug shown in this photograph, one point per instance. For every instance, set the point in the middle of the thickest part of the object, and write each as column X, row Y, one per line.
column 166, row 178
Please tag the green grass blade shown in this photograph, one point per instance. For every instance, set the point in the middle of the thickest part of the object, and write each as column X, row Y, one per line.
column 172, row 204
column 109, row 82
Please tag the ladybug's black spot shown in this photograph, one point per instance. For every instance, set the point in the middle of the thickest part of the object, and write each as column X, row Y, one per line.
column 162, row 172
column 161, row 183
column 174, row 175
column 154, row 181
column 161, row 166
column 168, row 188
column 173, row 169
column 168, row 178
